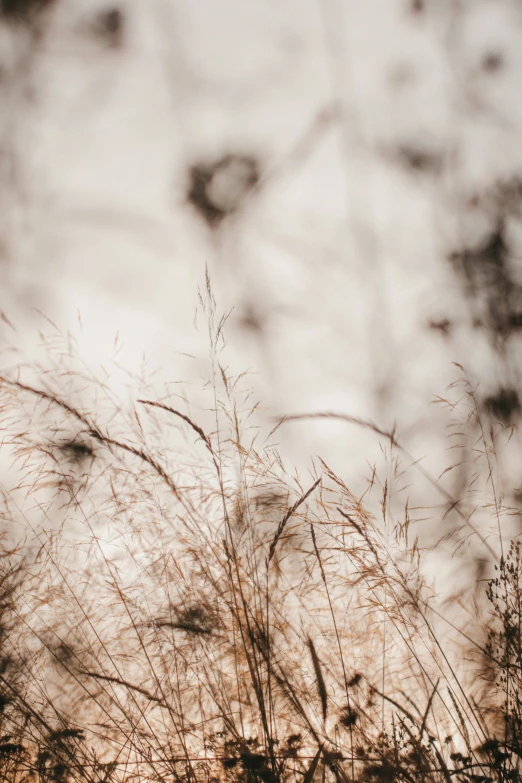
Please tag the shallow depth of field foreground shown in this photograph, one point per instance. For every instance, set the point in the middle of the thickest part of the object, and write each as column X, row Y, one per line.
column 176, row 604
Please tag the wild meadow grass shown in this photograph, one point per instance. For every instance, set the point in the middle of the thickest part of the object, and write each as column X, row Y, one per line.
column 177, row 605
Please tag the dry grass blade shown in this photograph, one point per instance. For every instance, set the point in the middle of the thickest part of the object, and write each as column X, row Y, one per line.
column 182, row 416
column 118, row 681
column 321, row 687
column 310, row 772
column 291, row 511
column 428, row 708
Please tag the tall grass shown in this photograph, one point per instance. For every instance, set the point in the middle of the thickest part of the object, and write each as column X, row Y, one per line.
column 176, row 605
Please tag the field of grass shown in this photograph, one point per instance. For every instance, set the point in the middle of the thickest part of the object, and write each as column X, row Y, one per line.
column 177, row 605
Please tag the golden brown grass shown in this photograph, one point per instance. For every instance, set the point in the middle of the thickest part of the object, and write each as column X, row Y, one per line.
column 176, row 605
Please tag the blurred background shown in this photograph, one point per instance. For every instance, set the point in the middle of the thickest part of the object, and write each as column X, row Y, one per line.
column 350, row 174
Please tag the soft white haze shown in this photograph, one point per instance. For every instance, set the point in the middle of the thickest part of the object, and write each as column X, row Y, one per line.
column 380, row 130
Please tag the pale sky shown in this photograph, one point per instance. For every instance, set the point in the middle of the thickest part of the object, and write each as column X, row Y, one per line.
column 378, row 130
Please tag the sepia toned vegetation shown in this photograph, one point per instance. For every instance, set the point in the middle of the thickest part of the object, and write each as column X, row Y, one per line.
column 177, row 606
column 176, row 602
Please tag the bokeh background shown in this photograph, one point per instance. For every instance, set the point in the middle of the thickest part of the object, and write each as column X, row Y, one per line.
column 350, row 174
